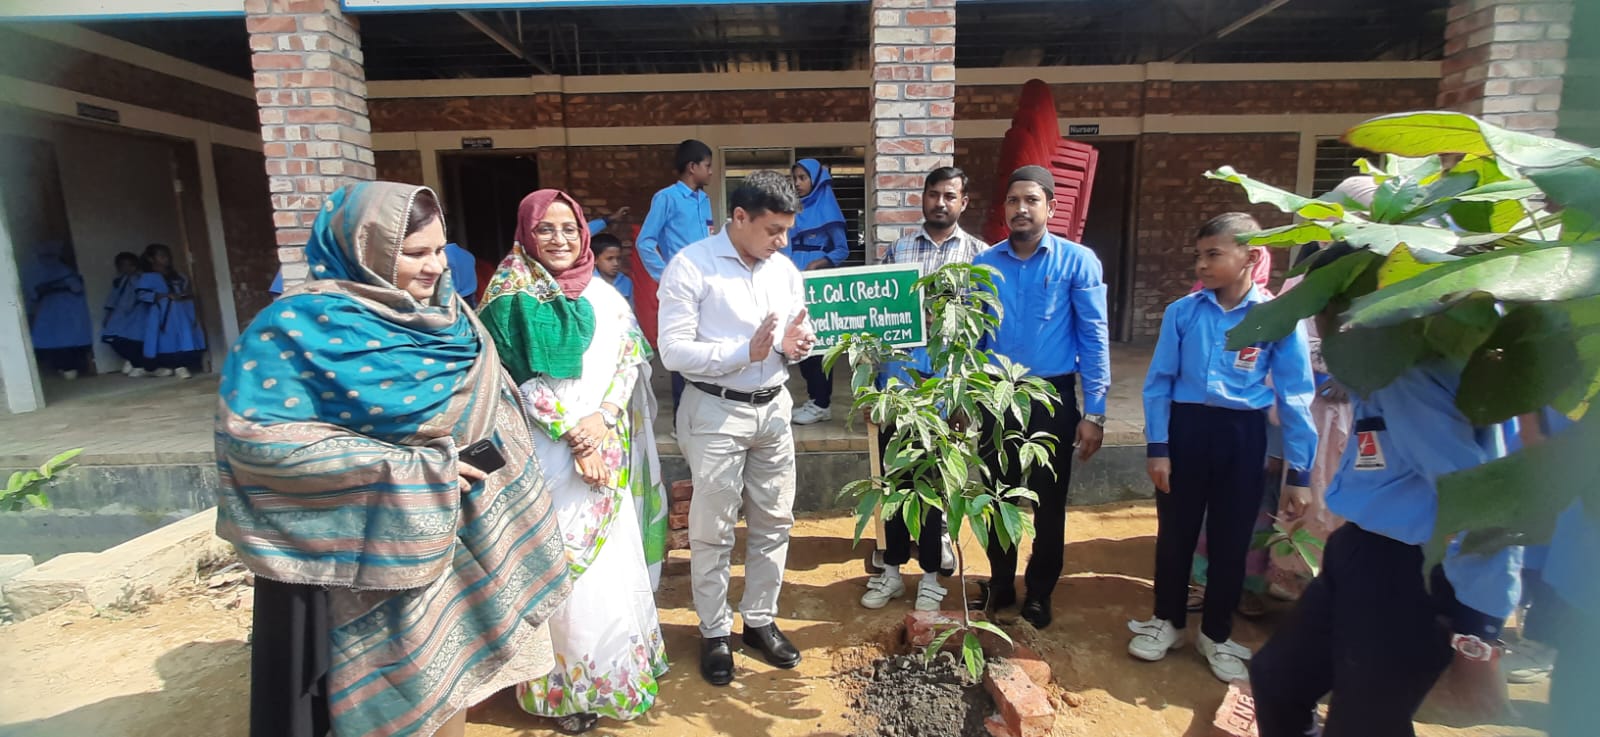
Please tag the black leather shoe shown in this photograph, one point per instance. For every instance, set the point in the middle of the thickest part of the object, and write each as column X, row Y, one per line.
column 993, row 597
column 774, row 647
column 1037, row 612
column 716, row 661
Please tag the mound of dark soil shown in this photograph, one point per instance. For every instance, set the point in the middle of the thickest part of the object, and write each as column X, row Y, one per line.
column 902, row 696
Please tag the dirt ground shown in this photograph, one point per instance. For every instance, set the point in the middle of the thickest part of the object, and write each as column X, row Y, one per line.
column 181, row 667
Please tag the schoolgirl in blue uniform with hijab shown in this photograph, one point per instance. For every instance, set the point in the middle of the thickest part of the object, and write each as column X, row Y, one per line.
column 173, row 340
column 123, row 327
column 59, row 315
column 818, row 240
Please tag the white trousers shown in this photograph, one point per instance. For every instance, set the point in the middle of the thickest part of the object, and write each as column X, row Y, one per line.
column 740, row 455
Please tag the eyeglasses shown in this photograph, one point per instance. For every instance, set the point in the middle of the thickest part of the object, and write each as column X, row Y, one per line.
column 547, row 232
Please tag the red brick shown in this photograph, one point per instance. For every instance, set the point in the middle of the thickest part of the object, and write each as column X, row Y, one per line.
column 943, row 90
column 1029, row 661
column 277, row 61
column 902, row 146
column 901, row 217
column 996, row 725
column 682, row 490
column 930, row 54
column 931, row 18
column 930, row 127
column 677, row 521
column 898, row 181
column 1237, row 715
column 922, row 628
column 1024, row 706
column 678, row 540
column 679, row 507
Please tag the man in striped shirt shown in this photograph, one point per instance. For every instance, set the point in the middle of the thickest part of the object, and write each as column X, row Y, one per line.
column 941, row 241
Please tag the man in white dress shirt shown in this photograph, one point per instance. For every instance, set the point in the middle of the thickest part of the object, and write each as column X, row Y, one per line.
column 733, row 320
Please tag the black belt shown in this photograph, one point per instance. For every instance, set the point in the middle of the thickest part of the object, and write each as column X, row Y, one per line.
column 758, row 397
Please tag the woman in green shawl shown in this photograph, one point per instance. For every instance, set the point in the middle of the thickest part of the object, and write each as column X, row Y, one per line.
column 571, row 343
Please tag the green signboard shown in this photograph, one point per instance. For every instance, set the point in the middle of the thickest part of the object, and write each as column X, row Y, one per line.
column 879, row 300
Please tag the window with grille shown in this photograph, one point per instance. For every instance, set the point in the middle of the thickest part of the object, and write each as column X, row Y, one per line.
column 848, row 164
column 1336, row 161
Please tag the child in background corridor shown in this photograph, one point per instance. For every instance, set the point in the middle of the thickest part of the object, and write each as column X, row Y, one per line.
column 123, row 328
column 173, row 340
column 608, row 264
column 1206, row 423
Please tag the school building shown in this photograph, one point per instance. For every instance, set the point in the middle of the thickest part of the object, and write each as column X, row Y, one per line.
column 218, row 126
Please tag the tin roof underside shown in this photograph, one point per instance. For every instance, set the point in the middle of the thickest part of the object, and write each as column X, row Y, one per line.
column 834, row 36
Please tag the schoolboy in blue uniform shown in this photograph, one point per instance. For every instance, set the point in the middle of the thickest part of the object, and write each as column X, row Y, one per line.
column 680, row 214
column 1054, row 323
column 1205, row 411
column 608, row 264
column 1367, row 629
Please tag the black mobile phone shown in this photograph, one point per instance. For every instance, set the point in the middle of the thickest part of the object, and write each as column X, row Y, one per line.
column 484, row 455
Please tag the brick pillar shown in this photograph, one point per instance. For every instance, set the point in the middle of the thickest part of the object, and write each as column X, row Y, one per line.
column 913, row 110
column 1504, row 60
column 312, row 91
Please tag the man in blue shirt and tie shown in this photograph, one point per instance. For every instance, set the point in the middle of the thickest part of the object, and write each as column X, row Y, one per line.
column 1054, row 323
column 679, row 215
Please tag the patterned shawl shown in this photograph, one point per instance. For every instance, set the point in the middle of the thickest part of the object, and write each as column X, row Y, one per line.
column 342, row 408
column 539, row 317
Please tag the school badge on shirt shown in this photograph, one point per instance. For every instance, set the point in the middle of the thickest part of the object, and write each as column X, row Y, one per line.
column 1247, row 358
column 1369, row 453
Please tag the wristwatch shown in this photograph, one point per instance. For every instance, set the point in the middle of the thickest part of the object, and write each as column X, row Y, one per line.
column 608, row 417
column 1096, row 419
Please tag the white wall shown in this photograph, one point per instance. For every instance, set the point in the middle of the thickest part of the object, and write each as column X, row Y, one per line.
column 119, row 197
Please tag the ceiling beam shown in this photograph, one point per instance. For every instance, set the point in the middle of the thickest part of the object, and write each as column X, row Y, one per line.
column 500, row 38
column 1222, row 32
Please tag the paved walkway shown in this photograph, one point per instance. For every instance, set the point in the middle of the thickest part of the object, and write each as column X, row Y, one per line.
column 123, row 421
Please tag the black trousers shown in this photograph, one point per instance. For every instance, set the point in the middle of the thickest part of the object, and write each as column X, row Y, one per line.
column 1050, row 516
column 129, row 350
column 1217, row 457
column 63, row 359
column 1365, row 630
column 819, row 381
column 176, row 360
column 897, row 536
column 289, row 661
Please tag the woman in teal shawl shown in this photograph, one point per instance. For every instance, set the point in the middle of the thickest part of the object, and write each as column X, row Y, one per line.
column 396, row 583
column 572, row 345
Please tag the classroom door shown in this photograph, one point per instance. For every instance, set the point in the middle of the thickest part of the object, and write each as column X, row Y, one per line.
column 482, row 192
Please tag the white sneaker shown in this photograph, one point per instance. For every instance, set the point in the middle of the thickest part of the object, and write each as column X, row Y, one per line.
column 127, row 367
column 183, row 373
column 1528, row 662
column 810, row 414
column 930, row 596
column 162, row 372
column 136, row 373
column 1153, row 639
column 881, row 588
column 69, row 374
column 1226, row 659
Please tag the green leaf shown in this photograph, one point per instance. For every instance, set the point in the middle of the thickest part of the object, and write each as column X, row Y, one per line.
column 864, row 512
column 1367, row 359
column 1576, row 187
column 1461, row 329
column 972, row 653
column 1011, row 521
column 1518, row 497
column 992, row 629
column 1294, row 234
column 1399, row 266
column 39, row 500
column 911, row 514
column 59, row 463
column 1548, row 274
column 1510, row 189
column 934, row 647
column 1527, row 362
column 1261, row 193
column 1276, row 318
column 1427, row 133
column 1383, row 237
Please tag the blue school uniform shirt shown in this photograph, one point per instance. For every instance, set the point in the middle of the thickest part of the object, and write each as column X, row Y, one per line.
column 1574, row 547
column 1192, row 365
column 463, row 272
column 829, row 242
column 1404, row 438
column 679, row 216
column 172, row 325
column 125, row 316
column 56, row 305
column 1054, row 319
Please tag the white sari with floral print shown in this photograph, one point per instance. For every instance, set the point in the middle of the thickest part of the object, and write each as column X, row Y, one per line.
column 607, row 637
